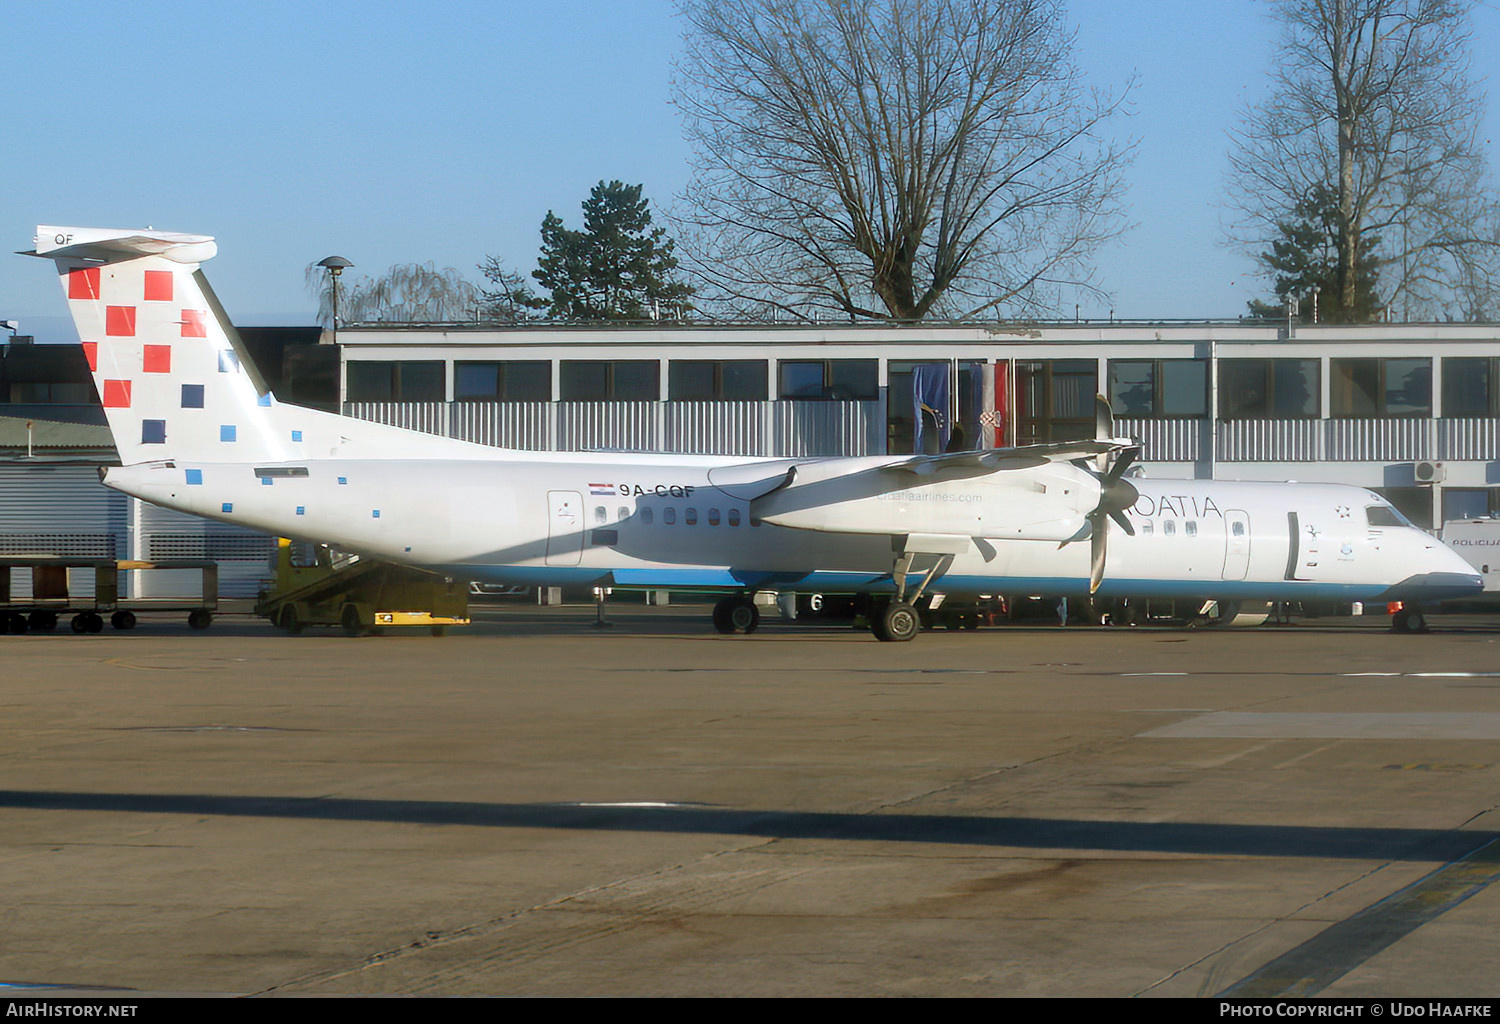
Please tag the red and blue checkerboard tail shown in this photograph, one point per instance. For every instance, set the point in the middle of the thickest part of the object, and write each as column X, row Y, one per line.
column 171, row 371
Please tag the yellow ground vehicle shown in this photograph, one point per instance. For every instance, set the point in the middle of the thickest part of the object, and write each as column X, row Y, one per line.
column 314, row 586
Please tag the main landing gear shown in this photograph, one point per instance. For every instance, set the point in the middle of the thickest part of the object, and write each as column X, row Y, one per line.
column 895, row 620
column 736, row 614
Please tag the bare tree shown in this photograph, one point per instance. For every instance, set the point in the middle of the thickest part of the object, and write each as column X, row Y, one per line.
column 407, row 293
column 1371, row 100
column 892, row 159
column 510, row 300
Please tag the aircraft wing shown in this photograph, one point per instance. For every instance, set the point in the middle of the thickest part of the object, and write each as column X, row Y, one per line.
column 1023, row 457
column 1032, row 491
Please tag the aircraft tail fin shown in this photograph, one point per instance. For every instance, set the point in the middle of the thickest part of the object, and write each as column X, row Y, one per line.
column 171, row 371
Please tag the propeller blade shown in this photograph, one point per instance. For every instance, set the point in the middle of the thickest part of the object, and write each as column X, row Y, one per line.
column 1104, row 419
column 1116, row 494
column 1124, row 460
column 1097, row 543
column 1104, row 428
column 1085, row 530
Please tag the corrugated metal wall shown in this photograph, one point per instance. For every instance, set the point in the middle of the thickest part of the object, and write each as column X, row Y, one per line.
column 1361, row 440
column 1177, row 440
column 767, row 429
column 243, row 555
column 60, row 509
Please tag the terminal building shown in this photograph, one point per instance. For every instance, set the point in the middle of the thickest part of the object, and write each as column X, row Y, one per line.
column 1411, row 411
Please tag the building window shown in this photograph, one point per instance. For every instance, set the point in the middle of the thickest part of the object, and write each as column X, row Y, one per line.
column 1158, row 388
column 839, row 380
column 1380, row 388
column 1255, row 389
column 618, row 380
column 379, row 381
column 52, row 393
column 902, row 406
column 1055, row 400
column 1469, row 388
column 717, row 380
column 519, row 381
column 1470, row 502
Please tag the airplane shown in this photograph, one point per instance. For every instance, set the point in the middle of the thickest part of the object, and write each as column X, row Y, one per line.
column 198, row 430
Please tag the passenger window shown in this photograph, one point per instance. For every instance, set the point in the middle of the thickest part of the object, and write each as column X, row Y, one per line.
column 713, row 517
column 1191, row 528
column 647, row 515
column 1169, row 527
column 600, row 515
column 1148, row 528
column 690, row 517
column 734, row 517
column 1238, row 529
column 669, row 515
column 622, row 513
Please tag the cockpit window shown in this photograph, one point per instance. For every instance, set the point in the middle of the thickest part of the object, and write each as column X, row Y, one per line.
column 1385, row 515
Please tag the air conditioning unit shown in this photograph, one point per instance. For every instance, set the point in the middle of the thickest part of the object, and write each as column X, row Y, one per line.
column 1430, row 472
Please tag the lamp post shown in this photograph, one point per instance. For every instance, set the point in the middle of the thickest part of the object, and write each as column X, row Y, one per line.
column 335, row 266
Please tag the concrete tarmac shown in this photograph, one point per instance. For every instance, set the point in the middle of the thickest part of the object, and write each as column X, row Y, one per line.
column 535, row 806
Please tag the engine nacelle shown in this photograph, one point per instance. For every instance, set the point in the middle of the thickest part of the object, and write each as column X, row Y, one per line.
column 1039, row 503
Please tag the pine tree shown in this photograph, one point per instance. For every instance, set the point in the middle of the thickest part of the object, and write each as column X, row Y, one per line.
column 1306, row 259
column 617, row 268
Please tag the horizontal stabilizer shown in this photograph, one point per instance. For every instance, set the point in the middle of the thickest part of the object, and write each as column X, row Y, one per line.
column 112, row 244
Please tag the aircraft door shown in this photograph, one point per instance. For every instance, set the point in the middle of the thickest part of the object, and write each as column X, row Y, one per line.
column 564, row 527
column 1236, row 544
column 1305, row 543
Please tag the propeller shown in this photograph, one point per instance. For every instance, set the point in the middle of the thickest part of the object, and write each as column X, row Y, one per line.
column 1116, row 494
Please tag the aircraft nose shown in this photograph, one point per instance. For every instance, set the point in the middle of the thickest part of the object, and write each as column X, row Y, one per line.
column 1448, row 575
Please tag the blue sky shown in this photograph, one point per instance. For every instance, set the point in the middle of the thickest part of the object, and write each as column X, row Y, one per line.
column 392, row 132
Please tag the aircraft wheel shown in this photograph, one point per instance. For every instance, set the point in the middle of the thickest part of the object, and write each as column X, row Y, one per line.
column 122, row 620
column 80, row 623
column 1408, row 620
column 289, row 620
column 42, row 621
column 200, row 619
column 15, row 622
column 736, row 615
column 897, row 621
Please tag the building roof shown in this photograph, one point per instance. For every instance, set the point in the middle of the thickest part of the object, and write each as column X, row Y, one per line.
column 54, row 439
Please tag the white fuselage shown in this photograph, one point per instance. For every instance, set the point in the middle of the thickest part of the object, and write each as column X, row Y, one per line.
column 661, row 521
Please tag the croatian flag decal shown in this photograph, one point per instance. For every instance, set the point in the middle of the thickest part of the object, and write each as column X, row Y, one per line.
column 605, row 489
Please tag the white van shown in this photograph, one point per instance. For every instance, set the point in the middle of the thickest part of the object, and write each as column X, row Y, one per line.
column 1478, row 541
